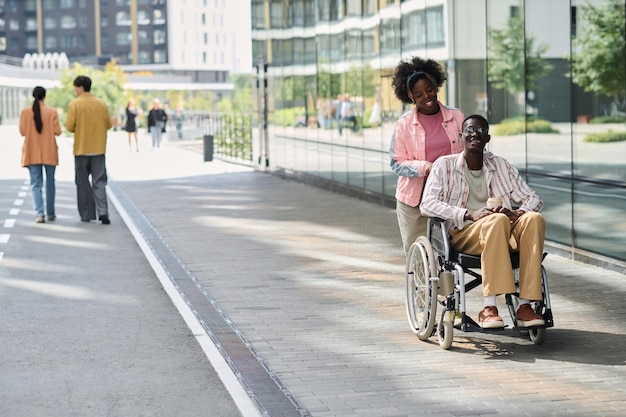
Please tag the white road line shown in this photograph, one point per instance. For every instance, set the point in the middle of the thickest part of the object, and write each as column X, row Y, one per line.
column 1, row 255
column 14, row 211
column 21, row 194
column 18, row 202
column 9, row 223
column 224, row 371
column 4, row 238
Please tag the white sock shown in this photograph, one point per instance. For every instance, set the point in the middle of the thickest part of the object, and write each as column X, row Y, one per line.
column 523, row 301
column 489, row 301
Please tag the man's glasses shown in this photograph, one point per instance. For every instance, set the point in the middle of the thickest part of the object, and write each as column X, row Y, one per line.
column 480, row 130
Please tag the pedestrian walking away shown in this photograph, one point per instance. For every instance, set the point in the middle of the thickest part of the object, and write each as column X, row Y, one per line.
column 39, row 124
column 88, row 118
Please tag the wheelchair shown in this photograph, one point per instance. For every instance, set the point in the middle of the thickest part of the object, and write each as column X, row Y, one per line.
column 436, row 276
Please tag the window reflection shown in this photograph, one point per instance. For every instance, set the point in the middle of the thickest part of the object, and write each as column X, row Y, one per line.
column 556, row 120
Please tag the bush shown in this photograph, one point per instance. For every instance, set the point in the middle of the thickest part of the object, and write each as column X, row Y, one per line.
column 607, row 119
column 287, row 116
column 605, row 137
column 518, row 126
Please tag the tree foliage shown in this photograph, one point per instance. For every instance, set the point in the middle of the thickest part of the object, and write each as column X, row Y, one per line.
column 599, row 60
column 107, row 84
column 515, row 63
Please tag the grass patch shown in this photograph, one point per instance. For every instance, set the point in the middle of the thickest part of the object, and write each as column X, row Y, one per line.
column 605, row 137
column 508, row 127
column 607, row 119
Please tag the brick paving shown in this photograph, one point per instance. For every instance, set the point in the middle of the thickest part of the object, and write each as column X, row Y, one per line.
column 312, row 284
column 313, row 281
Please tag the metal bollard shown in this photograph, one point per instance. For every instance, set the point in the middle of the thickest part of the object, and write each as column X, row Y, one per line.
column 208, row 147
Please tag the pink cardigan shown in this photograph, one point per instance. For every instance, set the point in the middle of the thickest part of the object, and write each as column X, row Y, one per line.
column 408, row 151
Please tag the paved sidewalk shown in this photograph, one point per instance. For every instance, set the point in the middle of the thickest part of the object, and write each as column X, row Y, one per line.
column 303, row 291
column 87, row 329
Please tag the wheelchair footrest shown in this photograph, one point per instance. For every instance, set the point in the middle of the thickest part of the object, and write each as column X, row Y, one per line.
column 468, row 324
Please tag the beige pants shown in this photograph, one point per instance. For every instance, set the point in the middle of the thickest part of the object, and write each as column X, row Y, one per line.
column 494, row 237
column 412, row 224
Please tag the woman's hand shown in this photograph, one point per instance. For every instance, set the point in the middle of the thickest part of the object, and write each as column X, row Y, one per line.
column 427, row 168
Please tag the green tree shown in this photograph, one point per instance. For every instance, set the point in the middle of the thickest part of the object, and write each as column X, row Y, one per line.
column 515, row 63
column 107, row 84
column 599, row 59
column 241, row 100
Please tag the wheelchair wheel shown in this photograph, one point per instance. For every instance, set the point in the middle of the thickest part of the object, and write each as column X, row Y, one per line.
column 421, row 305
column 445, row 331
column 537, row 336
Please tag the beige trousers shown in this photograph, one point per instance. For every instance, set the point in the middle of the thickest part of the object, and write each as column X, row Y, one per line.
column 412, row 224
column 494, row 237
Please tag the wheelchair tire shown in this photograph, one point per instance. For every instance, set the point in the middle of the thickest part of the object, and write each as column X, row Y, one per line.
column 537, row 336
column 445, row 332
column 421, row 300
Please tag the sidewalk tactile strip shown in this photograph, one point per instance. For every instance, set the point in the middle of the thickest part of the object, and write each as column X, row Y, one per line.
column 262, row 385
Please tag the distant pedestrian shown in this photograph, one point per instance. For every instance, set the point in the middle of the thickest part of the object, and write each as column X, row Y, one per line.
column 39, row 125
column 88, row 117
column 157, row 119
column 179, row 119
column 132, row 123
column 347, row 113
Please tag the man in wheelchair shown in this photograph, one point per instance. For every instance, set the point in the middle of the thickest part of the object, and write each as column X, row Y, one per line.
column 457, row 191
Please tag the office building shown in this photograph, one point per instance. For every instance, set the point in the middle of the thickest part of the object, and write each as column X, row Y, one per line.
column 183, row 44
column 310, row 51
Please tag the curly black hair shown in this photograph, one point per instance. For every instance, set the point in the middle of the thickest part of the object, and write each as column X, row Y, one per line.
column 406, row 68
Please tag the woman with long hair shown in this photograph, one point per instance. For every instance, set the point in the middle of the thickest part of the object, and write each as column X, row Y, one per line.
column 39, row 124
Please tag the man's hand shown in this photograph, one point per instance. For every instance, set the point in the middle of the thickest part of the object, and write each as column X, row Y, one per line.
column 513, row 215
column 474, row 215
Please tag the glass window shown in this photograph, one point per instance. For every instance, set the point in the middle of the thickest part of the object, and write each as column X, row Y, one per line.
column 354, row 8
column 143, row 17
column 434, row 26
column 160, row 57
column 48, row 4
column 122, row 38
column 258, row 14
column 30, row 6
column 413, row 30
column 158, row 37
column 276, row 14
column 68, row 22
column 14, row 24
column 144, row 57
column 297, row 13
column 158, row 17
column 49, row 23
column 143, row 37
column 104, row 20
column 50, row 42
column 122, row 19
column 31, row 23
column 31, row 42
column 68, row 41
column 68, row 4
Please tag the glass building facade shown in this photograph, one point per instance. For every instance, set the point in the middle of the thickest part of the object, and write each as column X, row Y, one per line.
column 549, row 76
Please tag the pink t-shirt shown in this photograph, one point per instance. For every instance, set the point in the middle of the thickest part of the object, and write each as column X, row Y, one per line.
column 437, row 141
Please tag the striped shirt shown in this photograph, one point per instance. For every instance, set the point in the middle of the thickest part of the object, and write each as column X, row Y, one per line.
column 447, row 191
